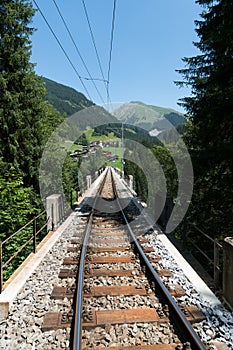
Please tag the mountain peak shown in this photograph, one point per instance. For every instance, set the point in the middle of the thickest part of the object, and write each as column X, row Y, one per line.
column 149, row 117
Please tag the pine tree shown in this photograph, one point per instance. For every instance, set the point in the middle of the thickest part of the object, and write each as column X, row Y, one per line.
column 22, row 106
column 210, row 110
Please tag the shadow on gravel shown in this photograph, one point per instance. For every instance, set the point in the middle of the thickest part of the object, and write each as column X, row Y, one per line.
column 138, row 217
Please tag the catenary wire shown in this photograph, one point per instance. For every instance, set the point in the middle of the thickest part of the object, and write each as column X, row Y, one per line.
column 97, row 55
column 111, row 47
column 93, row 41
column 62, row 48
column 78, row 51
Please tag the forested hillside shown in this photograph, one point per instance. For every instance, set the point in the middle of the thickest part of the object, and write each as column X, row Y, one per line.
column 210, row 113
column 208, row 133
column 68, row 102
column 65, row 99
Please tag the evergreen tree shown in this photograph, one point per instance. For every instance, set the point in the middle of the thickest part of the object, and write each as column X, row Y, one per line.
column 210, row 110
column 22, row 107
column 15, row 201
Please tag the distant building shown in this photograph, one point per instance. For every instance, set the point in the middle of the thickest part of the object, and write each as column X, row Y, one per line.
column 99, row 143
column 92, row 143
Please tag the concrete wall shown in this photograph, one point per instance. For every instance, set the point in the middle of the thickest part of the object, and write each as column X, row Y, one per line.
column 228, row 271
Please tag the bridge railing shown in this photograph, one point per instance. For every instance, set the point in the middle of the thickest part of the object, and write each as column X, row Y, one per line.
column 211, row 250
column 10, row 246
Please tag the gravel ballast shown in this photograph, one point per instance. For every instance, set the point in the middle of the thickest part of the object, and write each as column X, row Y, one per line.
column 22, row 328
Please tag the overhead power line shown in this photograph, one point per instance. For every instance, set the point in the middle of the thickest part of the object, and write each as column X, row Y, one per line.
column 78, row 51
column 93, row 41
column 62, row 48
column 111, row 47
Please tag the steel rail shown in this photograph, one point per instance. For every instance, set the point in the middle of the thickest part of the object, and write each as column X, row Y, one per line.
column 77, row 341
column 186, row 330
column 78, row 314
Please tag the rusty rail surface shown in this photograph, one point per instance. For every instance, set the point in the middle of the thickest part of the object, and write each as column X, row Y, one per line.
column 77, row 341
column 183, row 325
column 185, row 328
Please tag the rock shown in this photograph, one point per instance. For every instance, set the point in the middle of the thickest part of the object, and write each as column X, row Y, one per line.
column 108, row 338
column 138, row 341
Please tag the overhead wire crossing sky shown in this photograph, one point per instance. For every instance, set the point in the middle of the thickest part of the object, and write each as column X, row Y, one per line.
column 150, row 40
column 78, row 51
column 62, row 48
column 94, row 42
column 111, row 48
column 90, row 77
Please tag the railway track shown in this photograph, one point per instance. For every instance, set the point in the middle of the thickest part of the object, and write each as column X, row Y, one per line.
column 112, row 290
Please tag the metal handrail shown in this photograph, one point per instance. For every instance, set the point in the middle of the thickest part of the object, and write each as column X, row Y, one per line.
column 203, row 233
column 23, row 227
column 32, row 238
column 203, row 253
column 198, row 229
column 18, row 251
column 215, row 261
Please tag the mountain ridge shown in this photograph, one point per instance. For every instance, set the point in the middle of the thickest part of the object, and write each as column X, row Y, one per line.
column 163, row 110
column 70, row 102
column 149, row 117
column 65, row 99
column 154, row 119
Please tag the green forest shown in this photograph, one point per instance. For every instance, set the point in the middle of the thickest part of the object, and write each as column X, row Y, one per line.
column 209, row 132
column 29, row 114
column 27, row 121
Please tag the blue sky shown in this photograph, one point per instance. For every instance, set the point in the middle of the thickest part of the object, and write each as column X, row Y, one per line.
column 150, row 39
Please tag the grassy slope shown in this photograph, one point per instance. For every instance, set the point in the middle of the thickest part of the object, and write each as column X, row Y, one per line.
column 147, row 116
column 161, row 110
column 117, row 151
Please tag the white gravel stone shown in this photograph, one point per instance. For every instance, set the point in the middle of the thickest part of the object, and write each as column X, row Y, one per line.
column 218, row 325
column 22, row 328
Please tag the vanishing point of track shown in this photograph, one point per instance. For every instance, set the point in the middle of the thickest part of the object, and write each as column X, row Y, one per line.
column 114, row 265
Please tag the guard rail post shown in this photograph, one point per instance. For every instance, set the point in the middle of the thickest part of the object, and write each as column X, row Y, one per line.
column 52, row 216
column 71, row 200
column 216, row 264
column 34, row 234
column 1, row 271
column 228, row 271
column 131, row 182
column 88, row 181
column 54, row 210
